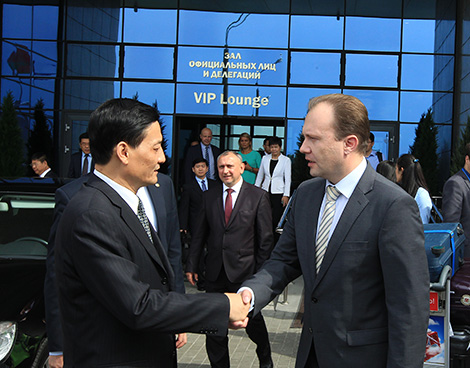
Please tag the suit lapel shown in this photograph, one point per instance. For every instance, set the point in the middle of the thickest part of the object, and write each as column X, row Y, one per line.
column 351, row 212
column 160, row 210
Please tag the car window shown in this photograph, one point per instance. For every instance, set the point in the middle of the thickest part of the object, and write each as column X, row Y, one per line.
column 25, row 221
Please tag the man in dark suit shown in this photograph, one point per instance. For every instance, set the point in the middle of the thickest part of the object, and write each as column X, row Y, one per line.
column 358, row 240
column 163, row 203
column 236, row 225
column 456, row 199
column 81, row 163
column 202, row 150
column 40, row 166
column 116, row 297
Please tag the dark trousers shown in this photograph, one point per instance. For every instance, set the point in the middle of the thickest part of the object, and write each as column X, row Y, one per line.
column 277, row 211
column 217, row 346
column 312, row 358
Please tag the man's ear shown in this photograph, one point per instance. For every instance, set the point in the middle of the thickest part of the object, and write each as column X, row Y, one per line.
column 350, row 143
column 122, row 152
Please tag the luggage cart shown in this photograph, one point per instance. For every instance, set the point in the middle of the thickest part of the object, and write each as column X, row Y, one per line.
column 439, row 330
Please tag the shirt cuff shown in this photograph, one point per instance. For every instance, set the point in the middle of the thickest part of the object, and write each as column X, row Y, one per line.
column 56, row 353
column 252, row 296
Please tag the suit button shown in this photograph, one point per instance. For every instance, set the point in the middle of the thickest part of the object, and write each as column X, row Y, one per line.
column 310, row 330
column 315, row 300
column 164, row 281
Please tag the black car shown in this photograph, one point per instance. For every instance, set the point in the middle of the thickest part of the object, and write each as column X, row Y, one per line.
column 26, row 215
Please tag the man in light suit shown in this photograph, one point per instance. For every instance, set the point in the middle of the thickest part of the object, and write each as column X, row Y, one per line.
column 163, row 203
column 204, row 150
column 456, row 199
column 117, row 303
column 235, row 223
column 81, row 162
column 363, row 262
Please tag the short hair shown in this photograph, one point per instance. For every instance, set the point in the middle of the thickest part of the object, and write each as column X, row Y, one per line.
column 372, row 137
column 267, row 139
column 275, row 140
column 245, row 135
column 351, row 117
column 39, row 156
column 83, row 136
column 230, row 152
column 387, row 168
column 118, row 120
column 467, row 150
column 199, row 160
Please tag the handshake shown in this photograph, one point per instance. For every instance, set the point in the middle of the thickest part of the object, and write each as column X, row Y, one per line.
column 240, row 305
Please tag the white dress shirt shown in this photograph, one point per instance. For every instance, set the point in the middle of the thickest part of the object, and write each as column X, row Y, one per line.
column 236, row 190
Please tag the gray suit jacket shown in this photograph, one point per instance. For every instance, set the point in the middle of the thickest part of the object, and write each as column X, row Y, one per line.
column 456, row 204
column 369, row 304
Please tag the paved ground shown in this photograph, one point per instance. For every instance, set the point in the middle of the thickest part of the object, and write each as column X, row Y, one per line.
column 284, row 338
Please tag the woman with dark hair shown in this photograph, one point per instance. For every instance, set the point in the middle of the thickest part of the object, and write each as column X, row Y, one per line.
column 410, row 177
column 251, row 158
column 387, row 168
column 274, row 176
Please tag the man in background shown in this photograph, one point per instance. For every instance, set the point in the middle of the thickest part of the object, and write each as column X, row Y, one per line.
column 41, row 167
column 81, row 163
column 372, row 156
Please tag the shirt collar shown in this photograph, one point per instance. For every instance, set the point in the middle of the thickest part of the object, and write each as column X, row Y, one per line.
column 347, row 185
column 44, row 173
column 200, row 180
column 236, row 188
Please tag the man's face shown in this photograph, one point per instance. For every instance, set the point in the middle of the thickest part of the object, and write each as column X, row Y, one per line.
column 200, row 170
column 39, row 167
column 85, row 146
column 230, row 169
column 325, row 155
column 145, row 159
column 206, row 136
column 370, row 144
column 267, row 147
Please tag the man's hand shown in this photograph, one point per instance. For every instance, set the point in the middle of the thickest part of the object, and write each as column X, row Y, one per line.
column 56, row 361
column 181, row 340
column 192, row 277
column 284, row 201
column 238, row 311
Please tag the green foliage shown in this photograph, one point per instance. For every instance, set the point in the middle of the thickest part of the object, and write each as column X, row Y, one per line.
column 458, row 156
column 11, row 143
column 424, row 148
column 40, row 139
column 300, row 170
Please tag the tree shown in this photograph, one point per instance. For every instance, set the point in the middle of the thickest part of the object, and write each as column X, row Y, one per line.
column 424, row 148
column 458, row 156
column 40, row 139
column 11, row 143
column 300, row 170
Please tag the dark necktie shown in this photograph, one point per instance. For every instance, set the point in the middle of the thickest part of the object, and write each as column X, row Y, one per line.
column 85, row 165
column 203, row 185
column 209, row 162
column 144, row 219
column 228, row 205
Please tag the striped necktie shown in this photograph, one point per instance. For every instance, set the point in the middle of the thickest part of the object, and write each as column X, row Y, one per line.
column 144, row 219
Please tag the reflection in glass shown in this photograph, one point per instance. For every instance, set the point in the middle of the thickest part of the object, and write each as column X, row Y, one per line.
column 199, row 99
column 316, row 32
column 413, row 104
column 315, row 68
column 417, row 72
column 148, row 62
column 150, row 25
column 20, row 88
column 215, row 131
column 373, row 34
column 407, row 137
column 92, row 61
column 443, row 107
column 87, row 94
column 44, row 58
column 256, row 101
column 13, row 15
column 167, row 127
column 45, row 21
column 298, row 98
column 162, row 93
column 280, row 131
column 256, row 30
column 16, row 58
column 237, row 129
column 43, row 89
column 371, row 70
column 418, row 35
column 382, row 105
column 266, row 131
column 294, row 130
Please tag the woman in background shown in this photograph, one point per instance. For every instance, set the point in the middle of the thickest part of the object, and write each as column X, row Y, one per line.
column 251, row 158
column 274, row 176
column 387, row 169
column 410, row 177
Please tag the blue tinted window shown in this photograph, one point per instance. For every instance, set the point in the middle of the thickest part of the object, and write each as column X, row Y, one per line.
column 20, row 88
column 417, row 72
column 43, row 89
column 87, row 94
column 316, row 32
column 373, row 34
column 166, row 122
column 382, row 105
column 162, row 93
column 442, row 107
column 413, row 104
column 256, row 101
column 45, row 58
column 245, row 66
column 255, row 30
column 13, row 17
column 148, row 62
column 371, row 70
column 407, row 137
column 45, row 21
column 298, row 98
column 92, row 61
column 315, row 68
column 150, row 25
column 418, row 35
column 90, row 22
column 16, row 58
column 294, row 130
column 199, row 99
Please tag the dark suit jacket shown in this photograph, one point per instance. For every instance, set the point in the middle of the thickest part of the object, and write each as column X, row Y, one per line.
column 164, row 201
column 456, row 204
column 75, row 167
column 193, row 153
column 115, row 286
column 51, row 174
column 369, row 304
column 191, row 203
column 243, row 245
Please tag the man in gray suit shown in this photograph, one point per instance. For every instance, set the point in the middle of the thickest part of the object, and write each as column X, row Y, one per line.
column 360, row 248
column 456, row 199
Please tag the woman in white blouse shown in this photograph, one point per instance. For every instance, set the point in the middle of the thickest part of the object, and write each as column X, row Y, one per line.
column 274, row 176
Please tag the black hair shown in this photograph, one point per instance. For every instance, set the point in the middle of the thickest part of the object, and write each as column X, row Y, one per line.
column 83, row 136
column 412, row 177
column 118, row 120
column 199, row 160
column 267, row 139
column 39, row 156
column 387, row 169
column 372, row 137
column 274, row 141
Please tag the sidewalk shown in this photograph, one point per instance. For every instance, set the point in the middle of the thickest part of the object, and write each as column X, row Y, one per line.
column 283, row 337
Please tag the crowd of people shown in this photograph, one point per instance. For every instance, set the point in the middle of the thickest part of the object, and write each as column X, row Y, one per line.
column 114, row 289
